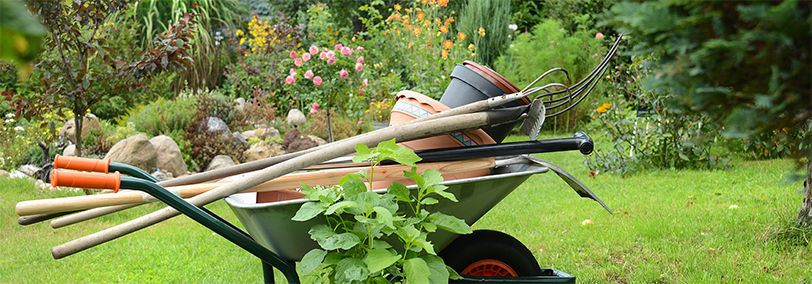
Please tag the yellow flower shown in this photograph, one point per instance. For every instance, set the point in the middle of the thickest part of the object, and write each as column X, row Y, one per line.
column 242, row 40
column 607, row 105
column 445, row 53
column 238, row 33
column 471, row 47
column 397, row 7
column 601, row 109
column 481, row 31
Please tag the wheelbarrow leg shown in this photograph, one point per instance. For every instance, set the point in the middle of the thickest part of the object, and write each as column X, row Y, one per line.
column 267, row 273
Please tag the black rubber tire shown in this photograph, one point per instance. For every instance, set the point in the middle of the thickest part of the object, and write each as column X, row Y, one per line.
column 488, row 244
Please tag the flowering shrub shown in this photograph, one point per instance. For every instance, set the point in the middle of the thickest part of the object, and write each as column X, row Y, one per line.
column 422, row 45
column 263, row 46
column 331, row 77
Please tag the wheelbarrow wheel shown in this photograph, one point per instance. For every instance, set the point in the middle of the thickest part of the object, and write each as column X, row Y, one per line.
column 489, row 253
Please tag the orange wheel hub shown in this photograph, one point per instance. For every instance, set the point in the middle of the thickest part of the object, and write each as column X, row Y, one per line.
column 489, row 267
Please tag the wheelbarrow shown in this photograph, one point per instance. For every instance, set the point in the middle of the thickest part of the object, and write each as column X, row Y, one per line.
column 482, row 257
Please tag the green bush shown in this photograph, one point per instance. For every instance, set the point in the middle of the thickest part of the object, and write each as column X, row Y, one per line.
column 163, row 116
column 549, row 46
column 486, row 22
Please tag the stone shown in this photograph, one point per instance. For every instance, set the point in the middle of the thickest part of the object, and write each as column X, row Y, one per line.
column 42, row 185
column 270, row 132
column 219, row 162
column 317, row 139
column 249, row 134
column 3, row 173
column 301, row 144
column 295, row 118
column 216, row 125
column 169, row 157
column 136, row 151
column 162, row 175
column 239, row 104
column 238, row 140
column 31, row 170
column 69, row 151
column 262, row 150
column 17, row 174
column 90, row 123
column 290, row 136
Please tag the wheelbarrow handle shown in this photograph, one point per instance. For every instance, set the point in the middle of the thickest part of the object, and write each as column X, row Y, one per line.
column 100, row 166
column 86, row 179
column 580, row 141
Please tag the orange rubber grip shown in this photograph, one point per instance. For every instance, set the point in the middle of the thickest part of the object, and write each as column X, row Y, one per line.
column 86, row 180
column 81, row 164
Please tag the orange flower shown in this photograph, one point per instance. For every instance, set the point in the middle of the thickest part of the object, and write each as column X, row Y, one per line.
column 449, row 21
column 397, row 31
column 445, row 53
column 461, row 36
column 442, row 3
column 397, row 7
column 444, row 29
column 410, row 45
column 429, row 43
column 409, row 28
column 448, row 44
column 420, row 15
column 424, row 2
column 481, row 31
column 431, row 2
column 416, row 31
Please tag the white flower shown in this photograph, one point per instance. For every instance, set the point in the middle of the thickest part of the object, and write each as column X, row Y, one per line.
column 18, row 128
column 513, row 27
column 10, row 115
column 10, row 120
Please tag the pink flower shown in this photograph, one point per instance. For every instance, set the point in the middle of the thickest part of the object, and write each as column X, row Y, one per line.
column 366, row 83
column 331, row 54
column 306, row 57
column 343, row 74
column 599, row 35
column 289, row 80
column 360, row 48
column 323, row 55
column 314, row 108
column 317, row 80
column 292, row 72
column 359, row 122
column 346, row 51
column 309, row 74
column 298, row 62
column 361, row 91
column 331, row 61
column 360, row 59
column 292, row 54
column 313, row 50
column 359, row 67
column 339, row 46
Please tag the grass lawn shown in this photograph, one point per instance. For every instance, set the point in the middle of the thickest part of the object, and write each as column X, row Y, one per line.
column 669, row 226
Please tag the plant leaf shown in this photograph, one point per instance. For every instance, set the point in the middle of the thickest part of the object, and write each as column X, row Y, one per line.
column 384, row 216
column 416, row 271
column 400, row 191
column 343, row 241
column 429, row 201
column 351, row 269
column 379, row 258
column 450, row 223
column 308, row 211
column 352, row 185
column 339, row 206
column 439, row 273
column 310, row 261
column 320, row 232
column 363, row 153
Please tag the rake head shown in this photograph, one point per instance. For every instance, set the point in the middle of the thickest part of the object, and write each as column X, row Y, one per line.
column 535, row 118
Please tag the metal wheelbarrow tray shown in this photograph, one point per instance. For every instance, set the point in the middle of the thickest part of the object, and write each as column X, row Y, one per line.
column 270, row 224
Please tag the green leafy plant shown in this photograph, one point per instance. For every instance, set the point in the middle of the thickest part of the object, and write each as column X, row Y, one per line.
column 487, row 22
column 378, row 237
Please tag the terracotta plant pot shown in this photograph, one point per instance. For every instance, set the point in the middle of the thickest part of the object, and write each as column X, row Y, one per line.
column 471, row 82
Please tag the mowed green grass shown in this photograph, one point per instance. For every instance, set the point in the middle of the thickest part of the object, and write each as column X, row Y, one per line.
column 668, row 226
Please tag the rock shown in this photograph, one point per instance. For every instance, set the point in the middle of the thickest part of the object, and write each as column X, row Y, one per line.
column 31, row 170
column 301, row 144
column 220, row 161
column 169, row 157
column 263, row 150
column 317, row 139
column 42, row 185
column 216, row 125
column 249, row 134
column 162, row 175
column 270, row 132
column 239, row 104
column 237, row 139
column 136, row 151
column 90, row 123
column 290, row 136
column 70, row 151
column 3, row 173
column 295, row 118
column 17, row 174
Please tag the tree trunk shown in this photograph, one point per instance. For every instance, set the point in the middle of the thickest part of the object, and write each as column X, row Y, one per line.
column 805, row 216
column 77, row 119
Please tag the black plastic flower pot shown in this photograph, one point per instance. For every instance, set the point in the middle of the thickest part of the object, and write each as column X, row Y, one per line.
column 471, row 82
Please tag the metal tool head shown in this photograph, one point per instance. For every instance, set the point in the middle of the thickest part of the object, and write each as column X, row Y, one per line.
column 535, row 118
